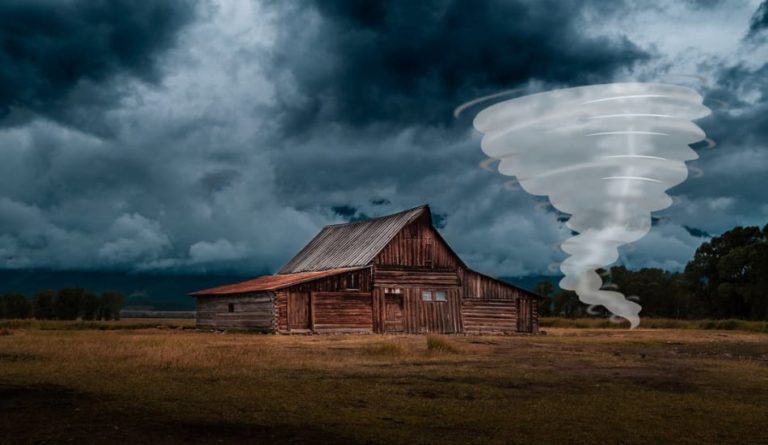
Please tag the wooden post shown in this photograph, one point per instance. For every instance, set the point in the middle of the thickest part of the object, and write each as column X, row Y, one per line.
column 312, row 311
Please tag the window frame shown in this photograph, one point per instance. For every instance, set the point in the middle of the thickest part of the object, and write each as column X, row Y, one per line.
column 433, row 296
column 352, row 281
column 230, row 308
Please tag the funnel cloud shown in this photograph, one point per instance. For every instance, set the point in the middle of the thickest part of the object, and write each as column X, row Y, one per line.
column 606, row 155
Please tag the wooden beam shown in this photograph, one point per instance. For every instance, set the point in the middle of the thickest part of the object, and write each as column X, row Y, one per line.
column 312, row 311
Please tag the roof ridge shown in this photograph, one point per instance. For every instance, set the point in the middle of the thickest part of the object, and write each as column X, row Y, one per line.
column 351, row 244
column 377, row 218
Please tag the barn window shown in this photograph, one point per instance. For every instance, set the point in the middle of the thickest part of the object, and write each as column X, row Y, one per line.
column 426, row 295
column 231, row 307
column 353, row 281
column 440, row 296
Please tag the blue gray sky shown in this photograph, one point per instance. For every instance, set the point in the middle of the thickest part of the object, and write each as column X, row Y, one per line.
column 220, row 136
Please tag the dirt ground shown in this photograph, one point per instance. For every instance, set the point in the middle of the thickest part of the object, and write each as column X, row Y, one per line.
column 176, row 385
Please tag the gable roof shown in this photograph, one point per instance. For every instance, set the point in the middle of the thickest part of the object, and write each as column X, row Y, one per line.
column 350, row 245
column 337, row 249
column 271, row 282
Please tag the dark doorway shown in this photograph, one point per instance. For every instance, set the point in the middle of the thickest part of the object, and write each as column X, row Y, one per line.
column 393, row 313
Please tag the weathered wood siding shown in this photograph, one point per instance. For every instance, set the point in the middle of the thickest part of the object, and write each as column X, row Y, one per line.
column 251, row 311
column 418, row 316
column 528, row 317
column 341, row 312
column 294, row 311
column 489, row 316
column 490, row 306
column 399, row 277
column 418, row 245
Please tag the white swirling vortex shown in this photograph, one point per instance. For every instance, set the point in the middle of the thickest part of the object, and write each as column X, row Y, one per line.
column 606, row 155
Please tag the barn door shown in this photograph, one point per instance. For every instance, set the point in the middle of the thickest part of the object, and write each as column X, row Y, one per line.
column 524, row 315
column 393, row 313
column 298, row 310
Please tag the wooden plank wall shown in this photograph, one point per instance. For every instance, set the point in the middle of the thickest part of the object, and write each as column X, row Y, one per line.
column 342, row 312
column 421, row 317
column 481, row 287
column 299, row 312
column 415, row 246
column 288, row 299
column 386, row 276
column 489, row 304
column 489, row 316
column 281, row 305
column 251, row 311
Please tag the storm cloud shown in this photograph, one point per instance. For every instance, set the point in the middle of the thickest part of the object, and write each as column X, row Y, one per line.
column 406, row 63
column 759, row 21
column 222, row 135
column 62, row 59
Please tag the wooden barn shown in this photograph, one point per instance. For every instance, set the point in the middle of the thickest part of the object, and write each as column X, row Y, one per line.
column 393, row 274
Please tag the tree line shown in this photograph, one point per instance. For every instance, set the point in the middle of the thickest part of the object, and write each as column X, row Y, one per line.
column 64, row 304
column 726, row 278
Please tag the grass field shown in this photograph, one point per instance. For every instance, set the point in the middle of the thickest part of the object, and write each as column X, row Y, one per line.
column 657, row 323
column 135, row 382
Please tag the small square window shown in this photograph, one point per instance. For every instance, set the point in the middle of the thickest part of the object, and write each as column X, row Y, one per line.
column 440, row 296
column 426, row 295
column 231, row 307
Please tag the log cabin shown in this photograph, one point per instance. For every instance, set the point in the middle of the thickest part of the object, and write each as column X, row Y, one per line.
column 393, row 274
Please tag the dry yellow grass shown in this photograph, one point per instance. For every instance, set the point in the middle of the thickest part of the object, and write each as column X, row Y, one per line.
column 571, row 386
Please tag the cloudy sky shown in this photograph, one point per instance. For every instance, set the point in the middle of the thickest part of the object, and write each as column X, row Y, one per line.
column 211, row 136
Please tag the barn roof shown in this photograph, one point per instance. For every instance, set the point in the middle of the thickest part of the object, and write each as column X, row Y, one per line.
column 271, row 282
column 337, row 249
column 350, row 245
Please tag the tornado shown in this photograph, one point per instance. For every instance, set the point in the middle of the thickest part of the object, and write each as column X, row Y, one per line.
column 604, row 154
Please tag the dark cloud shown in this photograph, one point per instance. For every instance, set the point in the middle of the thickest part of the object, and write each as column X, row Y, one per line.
column 56, row 56
column 439, row 219
column 728, row 179
column 759, row 21
column 705, row 4
column 698, row 233
column 405, row 62
column 198, row 174
column 365, row 95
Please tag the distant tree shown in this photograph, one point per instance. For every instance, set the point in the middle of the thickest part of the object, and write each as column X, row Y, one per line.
column 43, row 305
column 545, row 289
column 67, row 304
column 655, row 289
column 15, row 306
column 728, row 275
column 567, row 304
column 110, row 304
column 89, row 304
